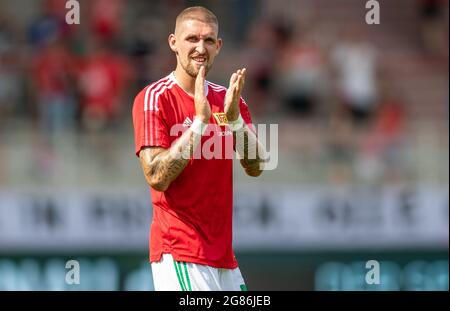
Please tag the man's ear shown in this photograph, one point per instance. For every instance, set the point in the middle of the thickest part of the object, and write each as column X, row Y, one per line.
column 219, row 45
column 172, row 40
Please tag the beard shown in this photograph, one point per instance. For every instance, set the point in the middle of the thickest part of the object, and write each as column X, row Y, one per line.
column 192, row 70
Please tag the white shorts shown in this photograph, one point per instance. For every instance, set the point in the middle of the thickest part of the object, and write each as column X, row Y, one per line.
column 171, row 275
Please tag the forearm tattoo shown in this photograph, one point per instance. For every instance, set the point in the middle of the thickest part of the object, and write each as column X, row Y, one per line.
column 249, row 150
column 162, row 166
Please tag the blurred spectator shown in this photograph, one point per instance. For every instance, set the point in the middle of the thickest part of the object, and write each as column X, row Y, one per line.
column 106, row 18
column 102, row 82
column 49, row 25
column 260, row 56
column 54, row 75
column 380, row 157
column 385, row 139
column 388, row 125
column 355, row 61
column 301, row 74
column 143, row 48
column 433, row 27
column 53, row 68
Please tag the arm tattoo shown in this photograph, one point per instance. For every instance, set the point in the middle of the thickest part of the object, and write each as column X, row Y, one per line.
column 162, row 166
column 249, row 150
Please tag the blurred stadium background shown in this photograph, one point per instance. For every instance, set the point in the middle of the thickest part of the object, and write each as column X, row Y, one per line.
column 363, row 118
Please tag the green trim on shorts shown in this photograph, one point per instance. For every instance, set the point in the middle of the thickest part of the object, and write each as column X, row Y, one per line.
column 180, row 269
column 243, row 287
column 179, row 276
column 187, row 276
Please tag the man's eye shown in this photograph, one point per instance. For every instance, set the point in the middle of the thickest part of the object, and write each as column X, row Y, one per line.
column 192, row 39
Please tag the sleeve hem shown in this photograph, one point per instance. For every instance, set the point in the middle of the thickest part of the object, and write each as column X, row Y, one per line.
column 162, row 145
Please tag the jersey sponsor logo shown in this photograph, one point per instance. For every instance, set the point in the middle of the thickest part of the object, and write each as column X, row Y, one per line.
column 221, row 118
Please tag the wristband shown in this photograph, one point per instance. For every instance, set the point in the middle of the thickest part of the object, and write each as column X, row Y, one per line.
column 237, row 124
column 198, row 126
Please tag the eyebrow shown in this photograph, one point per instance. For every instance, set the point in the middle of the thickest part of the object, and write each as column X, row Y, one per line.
column 192, row 36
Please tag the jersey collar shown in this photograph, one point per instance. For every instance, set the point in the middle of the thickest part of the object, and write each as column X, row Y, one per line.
column 172, row 77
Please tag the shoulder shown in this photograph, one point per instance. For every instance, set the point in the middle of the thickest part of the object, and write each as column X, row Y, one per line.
column 149, row 97
column 222, row 90
column 216, row 87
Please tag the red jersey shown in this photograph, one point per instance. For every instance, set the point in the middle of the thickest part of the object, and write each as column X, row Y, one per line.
column 192, row 219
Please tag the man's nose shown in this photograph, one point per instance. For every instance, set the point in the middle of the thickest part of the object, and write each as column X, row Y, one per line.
column 201, row 49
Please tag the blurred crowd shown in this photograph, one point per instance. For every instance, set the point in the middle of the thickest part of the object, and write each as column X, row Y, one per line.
column 302, row 69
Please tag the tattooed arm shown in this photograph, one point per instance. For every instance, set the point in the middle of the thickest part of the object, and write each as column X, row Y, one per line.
column 162, row 166
column 249, row 150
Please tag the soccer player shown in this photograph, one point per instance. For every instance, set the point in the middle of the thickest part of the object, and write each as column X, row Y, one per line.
column 191, row 231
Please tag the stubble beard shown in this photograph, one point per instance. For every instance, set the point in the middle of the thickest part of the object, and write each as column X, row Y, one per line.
column 192, row 71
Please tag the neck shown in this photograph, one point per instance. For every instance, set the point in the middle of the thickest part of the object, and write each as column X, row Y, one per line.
column 186, row 81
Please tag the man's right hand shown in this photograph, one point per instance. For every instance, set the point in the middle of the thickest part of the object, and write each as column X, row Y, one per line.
column 202, row 108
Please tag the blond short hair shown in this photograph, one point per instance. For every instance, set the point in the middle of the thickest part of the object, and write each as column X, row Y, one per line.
column 198, row 13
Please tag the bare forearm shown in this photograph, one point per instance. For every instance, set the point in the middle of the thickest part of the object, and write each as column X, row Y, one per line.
column 250, row 151
column 164, row 167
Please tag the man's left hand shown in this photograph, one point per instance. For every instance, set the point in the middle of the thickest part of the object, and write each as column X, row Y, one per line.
column 233, row 95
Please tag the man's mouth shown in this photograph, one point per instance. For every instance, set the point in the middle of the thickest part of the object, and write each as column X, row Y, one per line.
column 199, row 60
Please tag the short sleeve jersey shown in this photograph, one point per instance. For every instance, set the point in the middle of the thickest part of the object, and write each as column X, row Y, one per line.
column 192, row 219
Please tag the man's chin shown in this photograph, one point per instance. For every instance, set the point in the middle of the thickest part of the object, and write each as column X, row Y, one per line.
column 192, row 73
column 194, row 69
